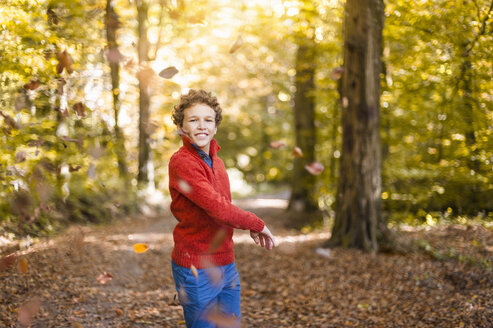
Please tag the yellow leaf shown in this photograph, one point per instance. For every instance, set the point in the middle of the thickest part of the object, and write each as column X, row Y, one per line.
column 140, row 248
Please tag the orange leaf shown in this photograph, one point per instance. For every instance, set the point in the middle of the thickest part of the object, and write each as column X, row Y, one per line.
column 140, row 248
column 32, row 85
column 194, row 271
column 22, row 265
column 297, row 152
column 79, row 109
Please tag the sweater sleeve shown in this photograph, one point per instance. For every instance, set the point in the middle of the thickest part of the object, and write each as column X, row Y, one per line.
column 190, row 181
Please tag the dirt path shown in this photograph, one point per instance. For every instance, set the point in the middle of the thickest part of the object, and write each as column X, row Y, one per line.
column 293, row 286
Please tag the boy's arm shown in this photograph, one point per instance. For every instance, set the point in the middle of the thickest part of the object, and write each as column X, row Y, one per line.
column 191, row 182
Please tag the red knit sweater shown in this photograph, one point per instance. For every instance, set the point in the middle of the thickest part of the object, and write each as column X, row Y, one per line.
column 201, row 202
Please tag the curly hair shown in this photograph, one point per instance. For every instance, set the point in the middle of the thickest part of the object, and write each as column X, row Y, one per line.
column 192, row 98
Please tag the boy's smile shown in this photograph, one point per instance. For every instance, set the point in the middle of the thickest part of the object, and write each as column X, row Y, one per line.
column 199, row 125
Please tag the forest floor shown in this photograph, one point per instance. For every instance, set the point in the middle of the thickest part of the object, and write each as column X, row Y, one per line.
column 54, row 282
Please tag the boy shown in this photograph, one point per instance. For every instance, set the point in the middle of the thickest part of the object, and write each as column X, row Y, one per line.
column 203, row 258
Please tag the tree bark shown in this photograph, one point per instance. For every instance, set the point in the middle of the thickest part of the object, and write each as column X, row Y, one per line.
column 303, row 183
column 358, row 208
column 144, row 91
column 112, row 23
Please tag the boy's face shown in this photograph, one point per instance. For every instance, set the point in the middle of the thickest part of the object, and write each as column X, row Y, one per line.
column 199, row 125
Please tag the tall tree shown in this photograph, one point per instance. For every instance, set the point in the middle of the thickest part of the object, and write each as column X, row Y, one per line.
column 112, row 23
column 303, row 183
column 144, row 77
column 358, row 209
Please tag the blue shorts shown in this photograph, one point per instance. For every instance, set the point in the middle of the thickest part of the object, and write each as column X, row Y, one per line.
column 217, row 290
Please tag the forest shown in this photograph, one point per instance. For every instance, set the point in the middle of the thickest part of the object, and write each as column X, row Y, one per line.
column 360, row 131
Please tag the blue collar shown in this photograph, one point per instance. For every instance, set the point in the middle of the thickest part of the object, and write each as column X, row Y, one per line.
column 207, row 159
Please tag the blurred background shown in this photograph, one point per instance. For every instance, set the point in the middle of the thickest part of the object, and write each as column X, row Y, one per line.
column 87, row 89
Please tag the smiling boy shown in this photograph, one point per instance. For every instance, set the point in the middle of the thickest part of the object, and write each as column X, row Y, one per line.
column 203, row 265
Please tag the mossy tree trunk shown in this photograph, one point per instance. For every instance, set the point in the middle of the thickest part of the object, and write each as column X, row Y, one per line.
column 303, row 183
column 112, row 23
column 358, row 208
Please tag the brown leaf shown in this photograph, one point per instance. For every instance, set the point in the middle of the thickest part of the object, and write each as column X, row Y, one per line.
column 217, row 241
column 32, row 85
column 104, row 278
column 28, row 311
column 80, row 109
column 168, row 72
column 9, row 120
column 7, row 261
column 114, row 55
column 314, row 168
column 73, row 168
column 64, row 61
column 20, row 156
column 336, row 73
column 52, row 17
column 277, row 144
column 119, row 312
column 236, row 45
column 222, row 319
column 76, row 324
column 297, row 152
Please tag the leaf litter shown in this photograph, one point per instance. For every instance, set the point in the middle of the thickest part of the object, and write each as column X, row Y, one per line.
column 295, row 285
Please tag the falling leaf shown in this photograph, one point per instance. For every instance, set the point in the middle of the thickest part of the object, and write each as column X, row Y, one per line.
column 168, row 72
column 277, row 144
column 22, row 265
column 345, row 102
column 32, row 85
column 184, row 186
column 194, row 271
column 314, row 168
column 104, row 278
column 73, row 168
column 140, row 248
column 64, row 62
column 325, row 252
column 20, row 156
column 213, row 272
column 20, row 102
column 217, row 240
column 7, row 261
column 28, row 311
column 114, row 55
column 52, row 17
column 222, row 319
column 297, row 152
column 236, row 45
column 182, row 295
column 336, row 73
column 9, row 120
column 79, row 109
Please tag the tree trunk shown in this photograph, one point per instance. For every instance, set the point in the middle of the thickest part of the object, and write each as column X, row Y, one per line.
column 144, row 91
column 112, row 23
column 303, row 183
column 358, row 209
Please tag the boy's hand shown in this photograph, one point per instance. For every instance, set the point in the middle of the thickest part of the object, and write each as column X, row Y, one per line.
column 264, row 238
